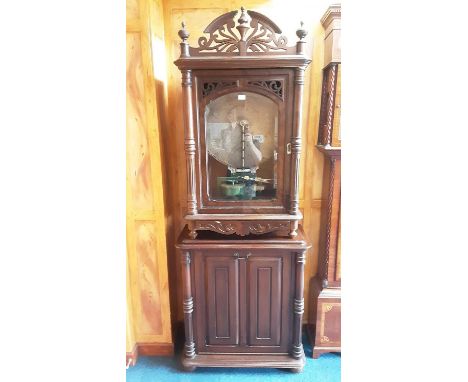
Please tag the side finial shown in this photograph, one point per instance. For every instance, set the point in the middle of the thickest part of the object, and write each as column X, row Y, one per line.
column 183, row 33
column 301, row 32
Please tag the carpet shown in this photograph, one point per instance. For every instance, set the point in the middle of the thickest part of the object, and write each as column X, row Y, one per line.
column 327, row 368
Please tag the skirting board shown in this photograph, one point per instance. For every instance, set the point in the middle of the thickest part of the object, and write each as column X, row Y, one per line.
column 132, row 357
column 152, row 349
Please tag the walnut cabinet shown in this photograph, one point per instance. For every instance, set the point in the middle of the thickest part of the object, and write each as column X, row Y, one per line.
column 243, row 300
column 243, row 250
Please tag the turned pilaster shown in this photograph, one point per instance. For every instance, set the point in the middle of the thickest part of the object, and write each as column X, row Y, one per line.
column 190, row 149
column 189, row 349
column 296, row 142
column 298, row 308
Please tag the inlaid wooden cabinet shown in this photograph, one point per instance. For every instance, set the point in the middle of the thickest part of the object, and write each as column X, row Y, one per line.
column 325, row 288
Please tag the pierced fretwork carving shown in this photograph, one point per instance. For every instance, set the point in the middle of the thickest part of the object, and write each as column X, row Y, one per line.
column 274, row 86
column 209, row 87
column 262, row 35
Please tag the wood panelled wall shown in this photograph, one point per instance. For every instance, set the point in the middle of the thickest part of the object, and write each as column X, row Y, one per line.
column 148, row 311
column 156, row 181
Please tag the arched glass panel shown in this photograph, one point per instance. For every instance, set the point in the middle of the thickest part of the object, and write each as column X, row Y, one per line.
column 242, row 147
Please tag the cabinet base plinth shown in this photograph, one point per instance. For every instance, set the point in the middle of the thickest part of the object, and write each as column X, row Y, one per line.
column 244, row 360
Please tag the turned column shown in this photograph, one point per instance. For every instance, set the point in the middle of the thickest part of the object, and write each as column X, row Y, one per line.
column 297, row 349
column 190, row 149
column 296, row 147
column 189, row 350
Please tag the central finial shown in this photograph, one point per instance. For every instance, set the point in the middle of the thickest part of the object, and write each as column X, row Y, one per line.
column 243, row 26
column 243, row 19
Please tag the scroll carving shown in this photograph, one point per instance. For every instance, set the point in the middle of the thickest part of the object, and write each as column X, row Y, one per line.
column 242, row 228
column 260, row 228
column 217, row 226
column 274, row 86
column 209, row 87
column 253, row 33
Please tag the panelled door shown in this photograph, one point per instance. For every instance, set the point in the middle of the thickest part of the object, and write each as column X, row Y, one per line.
column 242, row 301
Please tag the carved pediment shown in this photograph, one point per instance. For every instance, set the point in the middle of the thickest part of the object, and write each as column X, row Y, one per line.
column 251, row 33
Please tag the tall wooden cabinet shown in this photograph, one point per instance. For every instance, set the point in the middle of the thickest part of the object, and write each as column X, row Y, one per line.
column 243, row 249
column 325, row 288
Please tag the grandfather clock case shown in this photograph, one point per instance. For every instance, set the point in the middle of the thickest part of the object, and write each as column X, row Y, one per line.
column 324, row 328
column 243, row 250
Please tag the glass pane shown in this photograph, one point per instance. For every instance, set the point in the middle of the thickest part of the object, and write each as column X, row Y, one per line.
column 242, row 147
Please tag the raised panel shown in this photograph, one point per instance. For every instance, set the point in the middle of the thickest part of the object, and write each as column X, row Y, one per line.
column 222, row 300
column 265, row 284
column 220, row 307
